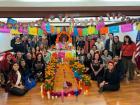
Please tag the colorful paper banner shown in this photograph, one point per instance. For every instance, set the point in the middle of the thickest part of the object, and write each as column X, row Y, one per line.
column 126, row 27
column 91, row 30
column 33, row 30
column 14, row 32
column 103, row 30
column 138, row 26
column 100, row 25
column 40, row 32
column 5, row 29
column 48, row 27
column 85, row 32
column 114, row 29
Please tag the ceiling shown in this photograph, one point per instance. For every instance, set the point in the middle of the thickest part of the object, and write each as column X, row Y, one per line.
column 67, row 3
column 73, row 8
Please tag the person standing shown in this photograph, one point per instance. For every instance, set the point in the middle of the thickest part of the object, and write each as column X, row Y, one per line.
column 116, row 46
column 109, row 42
column 127, row 54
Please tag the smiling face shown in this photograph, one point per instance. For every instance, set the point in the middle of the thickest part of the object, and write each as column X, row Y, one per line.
column 19, row 55
column 110, row 66
column 116, row 39
column 39, row 57
column 15, row 67
column 9, row 57
column 23, row 63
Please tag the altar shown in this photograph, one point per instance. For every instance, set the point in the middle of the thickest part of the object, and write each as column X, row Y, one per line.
column 64, row 75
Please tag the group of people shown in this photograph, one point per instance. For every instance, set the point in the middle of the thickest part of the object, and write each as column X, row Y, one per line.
column 22, row 69
column 107, row 62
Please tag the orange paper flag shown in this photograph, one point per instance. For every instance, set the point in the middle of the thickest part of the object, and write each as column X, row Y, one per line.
column 104, row 30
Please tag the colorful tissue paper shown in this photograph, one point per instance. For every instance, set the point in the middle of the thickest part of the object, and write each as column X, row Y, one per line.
column 80, row 31
column 5, row 29
column 14, row 32
column 75, row 31
column 103, row 30
column 127, row 27
column 40, row 32
column 91, row 30
column 138, row 26
column 85, row 32
column 33, row 30
column 100, row 25
column 48, row 27
column 114, row 29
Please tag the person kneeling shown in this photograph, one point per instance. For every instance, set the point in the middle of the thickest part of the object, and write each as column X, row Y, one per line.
column 15, row 86
column 110, row 80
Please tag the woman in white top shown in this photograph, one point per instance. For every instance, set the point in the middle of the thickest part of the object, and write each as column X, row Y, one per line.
column 100, row 45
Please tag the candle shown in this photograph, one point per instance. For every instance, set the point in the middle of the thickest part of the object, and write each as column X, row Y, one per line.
column 62, row 96
column 48, row 94
column 42, row 95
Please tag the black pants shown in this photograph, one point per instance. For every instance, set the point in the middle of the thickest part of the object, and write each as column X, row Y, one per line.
column 128, row 67
column 17, row 91
column 108, row 87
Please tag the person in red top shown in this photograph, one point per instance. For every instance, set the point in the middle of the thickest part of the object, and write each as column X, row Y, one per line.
column 127, row 54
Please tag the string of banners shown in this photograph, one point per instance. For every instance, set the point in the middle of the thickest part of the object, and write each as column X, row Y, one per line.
column 90, row 27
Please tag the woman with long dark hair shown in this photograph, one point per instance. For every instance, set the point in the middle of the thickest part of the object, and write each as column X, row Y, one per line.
column 39, row 68
column 97, row 67
column 27, row 79
column 127, row 54
column 15, row 85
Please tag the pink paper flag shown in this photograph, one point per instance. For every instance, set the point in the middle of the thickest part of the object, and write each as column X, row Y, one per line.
column 5, row 29
column 126, row 27
column 100, row 25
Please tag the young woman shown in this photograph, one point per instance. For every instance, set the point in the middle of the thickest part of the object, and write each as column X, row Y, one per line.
column 19, row 56
column 15, row 85
column 127, row 54
column 106, row 57
column 39, row 68
column 110, row 80
column 93, row 50
column 97, row 67
column 87, row 62
column 27, row 80
column 116, row 46
column 6, row 64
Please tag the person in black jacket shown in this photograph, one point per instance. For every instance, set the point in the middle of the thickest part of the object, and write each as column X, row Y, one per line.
column 108, row 43
column 18, row 46
column 110, row 80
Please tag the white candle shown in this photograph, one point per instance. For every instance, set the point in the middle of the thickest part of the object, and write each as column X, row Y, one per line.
column 48, row 94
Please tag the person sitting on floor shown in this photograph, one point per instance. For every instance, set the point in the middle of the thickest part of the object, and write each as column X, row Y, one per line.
column 39, row 68
column 110, row 80
column 97, row 67
column 14, row 85
column 28, row 82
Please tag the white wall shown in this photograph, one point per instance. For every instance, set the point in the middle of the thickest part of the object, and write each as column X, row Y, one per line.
column 5, row 39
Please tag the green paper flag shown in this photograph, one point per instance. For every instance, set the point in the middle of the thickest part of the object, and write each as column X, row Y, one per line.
column 85, row 32
column 40, row 32
column 96, row 32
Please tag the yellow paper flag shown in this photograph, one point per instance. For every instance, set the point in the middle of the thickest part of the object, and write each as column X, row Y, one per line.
column 138, row 26
column 91, row 30
column 14, row 32
column 33, row 30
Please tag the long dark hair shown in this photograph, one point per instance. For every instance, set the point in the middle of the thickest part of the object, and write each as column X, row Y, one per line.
column 116, row 37
column 98, row 54
column 42, row 60
column 129, row 39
